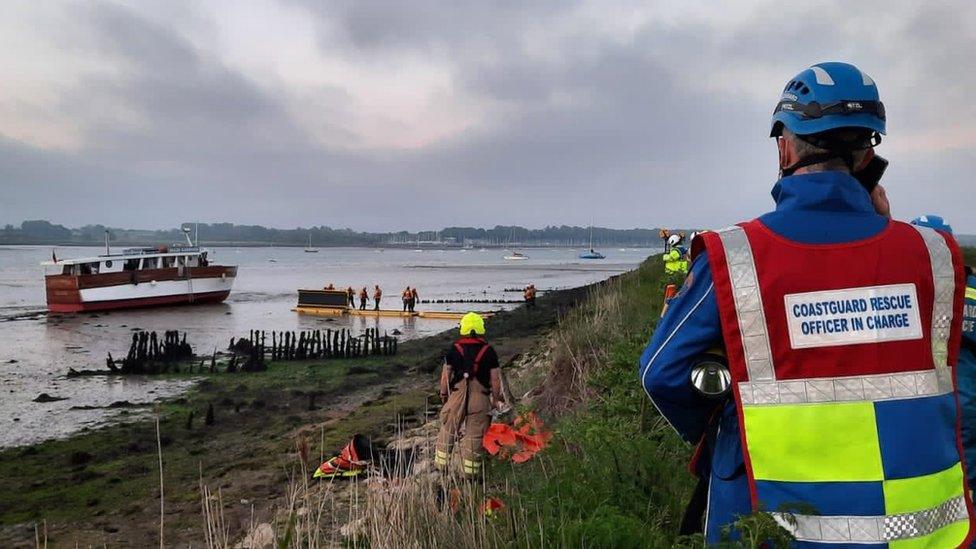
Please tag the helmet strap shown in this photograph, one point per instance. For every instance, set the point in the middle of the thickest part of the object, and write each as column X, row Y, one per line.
column 811, row 160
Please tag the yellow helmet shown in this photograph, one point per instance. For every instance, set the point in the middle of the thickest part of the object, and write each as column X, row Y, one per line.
column 472, row 322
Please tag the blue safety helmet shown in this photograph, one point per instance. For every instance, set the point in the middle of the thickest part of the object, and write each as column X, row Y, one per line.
column 828, row 96
column 933, row 222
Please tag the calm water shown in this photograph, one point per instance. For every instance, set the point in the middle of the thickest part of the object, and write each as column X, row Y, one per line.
column 36, row 350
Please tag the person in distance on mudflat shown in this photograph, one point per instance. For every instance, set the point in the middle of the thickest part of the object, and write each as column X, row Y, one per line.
column 405, row 296
column 842, row 330
column 377, row 296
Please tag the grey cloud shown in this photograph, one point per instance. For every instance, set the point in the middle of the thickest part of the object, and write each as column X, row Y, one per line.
column 625, row 133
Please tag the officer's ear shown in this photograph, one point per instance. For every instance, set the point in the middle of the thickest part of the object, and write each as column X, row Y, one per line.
column 785, row 152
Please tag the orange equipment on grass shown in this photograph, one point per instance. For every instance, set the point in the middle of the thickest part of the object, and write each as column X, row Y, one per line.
column 352, row 460
column 518, row 442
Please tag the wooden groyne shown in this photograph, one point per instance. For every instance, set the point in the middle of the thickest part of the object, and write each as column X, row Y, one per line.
column 317, row 344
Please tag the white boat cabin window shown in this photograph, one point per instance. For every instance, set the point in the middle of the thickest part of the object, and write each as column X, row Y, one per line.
column 149, row 263
column 131, row 265
column 88, row 268
column 168, row 262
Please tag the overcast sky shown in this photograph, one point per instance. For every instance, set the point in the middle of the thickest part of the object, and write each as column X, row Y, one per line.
column 422, row 114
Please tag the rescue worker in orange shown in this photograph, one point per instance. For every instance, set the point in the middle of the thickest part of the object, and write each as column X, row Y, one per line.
column 351, row 295
column 529, row 295
column 363, row 296
column 414, row 296
column 405, row 296
column 377, row 295
column 470, row 388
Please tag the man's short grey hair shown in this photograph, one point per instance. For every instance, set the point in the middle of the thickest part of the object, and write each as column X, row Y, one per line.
column 804, row 149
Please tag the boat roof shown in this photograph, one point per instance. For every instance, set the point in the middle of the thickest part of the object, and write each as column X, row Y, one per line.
column 132, row 253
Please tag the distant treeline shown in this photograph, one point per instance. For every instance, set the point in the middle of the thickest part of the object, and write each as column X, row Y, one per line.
column 45, row 232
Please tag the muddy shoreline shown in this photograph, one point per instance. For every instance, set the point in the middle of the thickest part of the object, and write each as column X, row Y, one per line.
column 102, row 487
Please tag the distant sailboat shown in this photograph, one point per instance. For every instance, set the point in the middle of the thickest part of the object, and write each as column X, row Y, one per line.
column 592, row 254
column 515, row 255
column 309, row 249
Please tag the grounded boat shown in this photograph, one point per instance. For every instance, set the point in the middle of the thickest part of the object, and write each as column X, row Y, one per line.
column 137, row 277
column 516, row 256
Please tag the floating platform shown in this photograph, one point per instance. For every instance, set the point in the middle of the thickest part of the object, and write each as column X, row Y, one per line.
column 337, row 311
column 334, row 303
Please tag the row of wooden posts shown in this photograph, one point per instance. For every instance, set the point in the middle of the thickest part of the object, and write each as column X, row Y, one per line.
column 148, row 354
column 311, row 344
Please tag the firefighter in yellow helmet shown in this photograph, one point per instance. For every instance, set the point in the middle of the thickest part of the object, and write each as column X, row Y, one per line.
column 470, row 388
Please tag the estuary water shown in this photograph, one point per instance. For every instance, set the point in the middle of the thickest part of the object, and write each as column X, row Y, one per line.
column 37, row 349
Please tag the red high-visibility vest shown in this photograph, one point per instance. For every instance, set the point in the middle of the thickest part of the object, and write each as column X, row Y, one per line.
column 842, row 359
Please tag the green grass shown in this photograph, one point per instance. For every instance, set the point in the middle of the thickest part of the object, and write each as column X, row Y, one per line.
column 113, row 470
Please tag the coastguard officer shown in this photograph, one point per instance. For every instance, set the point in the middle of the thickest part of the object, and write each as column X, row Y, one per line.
column 675, row 260
column 966, row 370
column 842, row 409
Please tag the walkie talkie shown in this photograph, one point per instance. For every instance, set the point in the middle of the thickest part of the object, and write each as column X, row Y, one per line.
column 871, row 174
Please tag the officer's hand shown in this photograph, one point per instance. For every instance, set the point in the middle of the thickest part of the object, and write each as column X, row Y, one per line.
column 880, row 201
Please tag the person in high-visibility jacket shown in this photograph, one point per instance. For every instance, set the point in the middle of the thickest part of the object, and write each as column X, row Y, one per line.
column 675, row 259
column 470, row 388
column 843, row 412
column 966, row 369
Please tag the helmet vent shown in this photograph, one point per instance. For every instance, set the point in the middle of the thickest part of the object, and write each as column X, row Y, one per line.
column 805, row 90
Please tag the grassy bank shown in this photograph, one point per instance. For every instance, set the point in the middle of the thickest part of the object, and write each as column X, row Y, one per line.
column 102, row 486
column 94, row 485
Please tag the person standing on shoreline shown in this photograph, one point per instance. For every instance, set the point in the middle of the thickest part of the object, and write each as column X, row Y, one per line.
column 363, row 296
column 414, row 296
column 405, row 296
column 841, row 329
column 470, row 387
column 351, row 296
column 377, row 296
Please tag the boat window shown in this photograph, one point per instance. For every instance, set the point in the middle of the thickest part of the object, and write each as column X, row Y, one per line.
column 89, row 268
column 108, row 264
column 167, row 262
column 150, row 263
column 181, row 261
column 130, row 265
column 66, row 269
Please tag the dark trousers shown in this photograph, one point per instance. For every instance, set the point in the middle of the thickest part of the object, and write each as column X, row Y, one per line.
column 376, row 304
column 362, row 304
column 406, row 303
column 411, row 303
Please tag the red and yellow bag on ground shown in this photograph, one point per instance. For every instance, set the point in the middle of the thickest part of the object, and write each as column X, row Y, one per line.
column 353, row 460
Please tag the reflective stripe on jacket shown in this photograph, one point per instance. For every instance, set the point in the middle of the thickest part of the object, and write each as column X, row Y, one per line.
column 843, row 381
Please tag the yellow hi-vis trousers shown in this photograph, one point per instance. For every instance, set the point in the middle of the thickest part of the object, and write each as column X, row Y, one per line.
column 469, row 407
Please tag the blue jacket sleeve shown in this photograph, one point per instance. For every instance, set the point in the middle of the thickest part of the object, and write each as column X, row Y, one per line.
column 689, row 328
column 966, row 383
